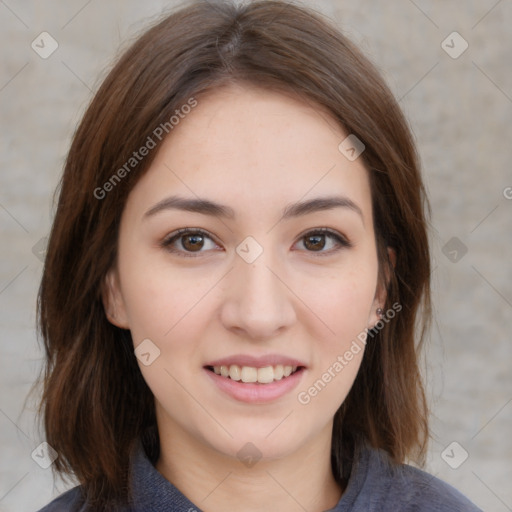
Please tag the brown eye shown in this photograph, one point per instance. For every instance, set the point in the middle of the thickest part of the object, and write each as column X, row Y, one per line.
column 192, row 242
column 318, row 240
column 314, row 242
column 188, row 242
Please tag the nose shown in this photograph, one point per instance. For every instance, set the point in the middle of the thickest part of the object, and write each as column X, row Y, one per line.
column 258, row 303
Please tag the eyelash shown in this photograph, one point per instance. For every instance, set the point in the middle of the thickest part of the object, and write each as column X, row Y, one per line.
column 167, row 242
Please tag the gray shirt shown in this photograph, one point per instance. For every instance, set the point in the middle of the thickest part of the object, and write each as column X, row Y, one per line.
column 375, row 485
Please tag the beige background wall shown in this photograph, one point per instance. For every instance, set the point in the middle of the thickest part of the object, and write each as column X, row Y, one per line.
column 461, row 112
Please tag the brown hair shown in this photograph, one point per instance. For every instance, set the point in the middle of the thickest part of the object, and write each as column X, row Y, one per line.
column 92, row 416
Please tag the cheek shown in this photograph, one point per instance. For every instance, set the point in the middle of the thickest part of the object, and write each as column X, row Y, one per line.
column 336, row 357
column 160, row 300
column 343, row 301
column 344, row 305
column 171, row 311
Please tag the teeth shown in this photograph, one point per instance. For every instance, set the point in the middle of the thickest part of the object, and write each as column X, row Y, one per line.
column 251, row 374
column 234, row 372
column 266, row 375
column 278, row 372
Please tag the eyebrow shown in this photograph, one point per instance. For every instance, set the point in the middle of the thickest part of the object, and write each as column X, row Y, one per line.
column 207, row 207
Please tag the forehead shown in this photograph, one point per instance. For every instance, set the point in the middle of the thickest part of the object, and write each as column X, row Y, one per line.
column 246, row 146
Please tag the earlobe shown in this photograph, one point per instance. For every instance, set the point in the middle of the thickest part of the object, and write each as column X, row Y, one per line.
column 113, row 303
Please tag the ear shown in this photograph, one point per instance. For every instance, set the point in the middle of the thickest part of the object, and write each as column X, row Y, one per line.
column 113, row 301
column 381, row 292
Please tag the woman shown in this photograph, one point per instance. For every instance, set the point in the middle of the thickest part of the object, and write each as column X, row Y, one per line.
column 236, row 267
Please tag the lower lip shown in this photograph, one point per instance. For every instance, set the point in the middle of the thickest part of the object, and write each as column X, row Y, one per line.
column 254, row 392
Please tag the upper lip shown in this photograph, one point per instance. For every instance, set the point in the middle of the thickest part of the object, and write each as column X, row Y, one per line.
column 257, row 361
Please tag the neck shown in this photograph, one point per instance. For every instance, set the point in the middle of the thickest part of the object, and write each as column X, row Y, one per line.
column 300, row 481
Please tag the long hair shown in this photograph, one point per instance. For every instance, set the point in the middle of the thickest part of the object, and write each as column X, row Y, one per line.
column 95, row 403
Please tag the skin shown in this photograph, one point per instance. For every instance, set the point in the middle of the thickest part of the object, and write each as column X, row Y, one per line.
column 255, row 151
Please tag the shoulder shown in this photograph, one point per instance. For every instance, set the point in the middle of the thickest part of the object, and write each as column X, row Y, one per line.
column 69, row 501
column 390, row 487
column 416, row 488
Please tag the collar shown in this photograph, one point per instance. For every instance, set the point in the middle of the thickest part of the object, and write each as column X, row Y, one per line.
column 151, row 491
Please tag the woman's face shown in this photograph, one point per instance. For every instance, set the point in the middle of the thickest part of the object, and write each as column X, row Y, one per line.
column 259, row 286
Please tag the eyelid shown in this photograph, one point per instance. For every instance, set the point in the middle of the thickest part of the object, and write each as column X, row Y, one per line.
column 175, row 235
column 343, row 241
column 327, row 231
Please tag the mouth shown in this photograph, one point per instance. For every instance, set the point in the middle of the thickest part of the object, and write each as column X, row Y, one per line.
column 253, row 375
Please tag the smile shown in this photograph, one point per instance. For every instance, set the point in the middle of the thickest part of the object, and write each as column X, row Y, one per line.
column 251, row 374
column 255, row 385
